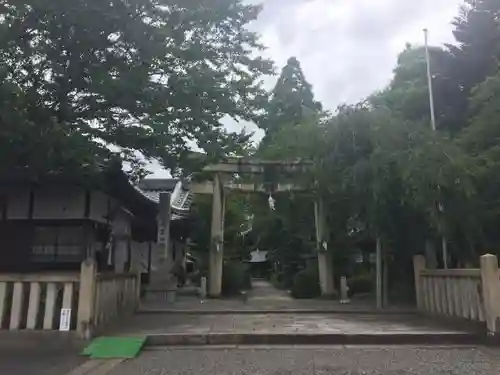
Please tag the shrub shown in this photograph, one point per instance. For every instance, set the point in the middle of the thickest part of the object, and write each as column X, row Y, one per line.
column 235, row 278
column 360, row 284
column 247, row 281
column 306, row 285
column 289, row 272
column 277, row 279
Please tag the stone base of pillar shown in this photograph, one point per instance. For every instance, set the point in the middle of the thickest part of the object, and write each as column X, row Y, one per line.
column 215, row 274
column 325, row 268
column 161, row 278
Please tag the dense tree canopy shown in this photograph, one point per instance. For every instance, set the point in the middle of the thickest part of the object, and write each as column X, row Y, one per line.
column 132, row 76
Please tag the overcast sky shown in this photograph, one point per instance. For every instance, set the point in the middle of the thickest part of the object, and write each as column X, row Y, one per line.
column 348, row 48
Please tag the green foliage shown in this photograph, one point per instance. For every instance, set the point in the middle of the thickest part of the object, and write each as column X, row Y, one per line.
column 306, row 284
column 478, row 42
column 87, row 82
column 359, row 284
column 288, row 232
column 290, row 102
column 236, row 217
column 134, row 77
column 379, row 167
column 277, row 279
column 407, row 96
column 235, row 278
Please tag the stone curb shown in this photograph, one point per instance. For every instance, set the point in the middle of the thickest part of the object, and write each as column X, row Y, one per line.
column 96, row 367
column 313, row 339
column 270, row 311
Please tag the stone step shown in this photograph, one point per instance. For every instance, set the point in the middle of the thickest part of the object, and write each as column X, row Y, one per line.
column 378, row 338
column 173, row 309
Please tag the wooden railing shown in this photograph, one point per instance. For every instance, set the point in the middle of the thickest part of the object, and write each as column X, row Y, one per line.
column 34, row 301
column 37, row 301
column 115, row 294
column 454, row 293
column 472, row 294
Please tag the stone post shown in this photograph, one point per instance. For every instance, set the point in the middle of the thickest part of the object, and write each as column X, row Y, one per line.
column 138, row 285
column 378, row 271
column 418, row 267
column 164, row 228
column 203, row 288
column 161, row 278
column 491, row 293
column 344, row 290
column 216, row 255
column 385, row 278
column 325, row 263
column 86, row 300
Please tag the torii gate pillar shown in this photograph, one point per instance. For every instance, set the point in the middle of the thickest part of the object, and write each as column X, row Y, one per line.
column 216, row 255
column 325, row 261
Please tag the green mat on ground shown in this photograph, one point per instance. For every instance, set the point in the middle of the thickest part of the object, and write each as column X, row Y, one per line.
column 114, row 347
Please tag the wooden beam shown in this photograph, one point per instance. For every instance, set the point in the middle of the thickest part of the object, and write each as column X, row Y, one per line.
column 240, row 165
column 207, row 188
column 260, row 162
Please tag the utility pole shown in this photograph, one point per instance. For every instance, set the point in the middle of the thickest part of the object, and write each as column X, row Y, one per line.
column 444, row 242
column 429, row 80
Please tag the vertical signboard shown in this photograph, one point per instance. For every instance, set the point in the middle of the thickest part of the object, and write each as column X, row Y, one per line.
column 164, row 225
column 65, row 320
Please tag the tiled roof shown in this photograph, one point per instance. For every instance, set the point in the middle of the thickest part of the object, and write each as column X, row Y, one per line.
column 158, row 184
column 258, row 256
column 181, row 197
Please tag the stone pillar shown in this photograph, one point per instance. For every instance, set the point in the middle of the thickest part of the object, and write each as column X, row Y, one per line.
column 444, row 246
column 344, row 290
column 385, row 278
column 491, row 293
column 203, row 288
column 161, row 277
column 378, row 271
column 164, row 216
column 418, row 267
column 325, row 263
column 216, row 255
column 85, row 317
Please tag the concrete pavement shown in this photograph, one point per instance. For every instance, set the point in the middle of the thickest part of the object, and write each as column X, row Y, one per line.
column 272, row 316
column 263, row 298
column 216, row 329
column 38, row 353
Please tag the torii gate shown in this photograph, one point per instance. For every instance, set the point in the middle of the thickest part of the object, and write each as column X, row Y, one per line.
column 217, row 188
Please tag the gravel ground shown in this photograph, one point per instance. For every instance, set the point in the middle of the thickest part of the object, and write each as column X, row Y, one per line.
column 314, row 361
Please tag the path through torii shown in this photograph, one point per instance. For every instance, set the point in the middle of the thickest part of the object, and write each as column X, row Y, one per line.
column 218, row 188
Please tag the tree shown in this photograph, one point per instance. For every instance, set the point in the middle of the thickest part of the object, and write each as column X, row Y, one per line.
column 290, row 102
column 478, row 37
column 481, row 142
column 288, row 232
column 408, row 93
column 42, row 146
column 132, row 76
